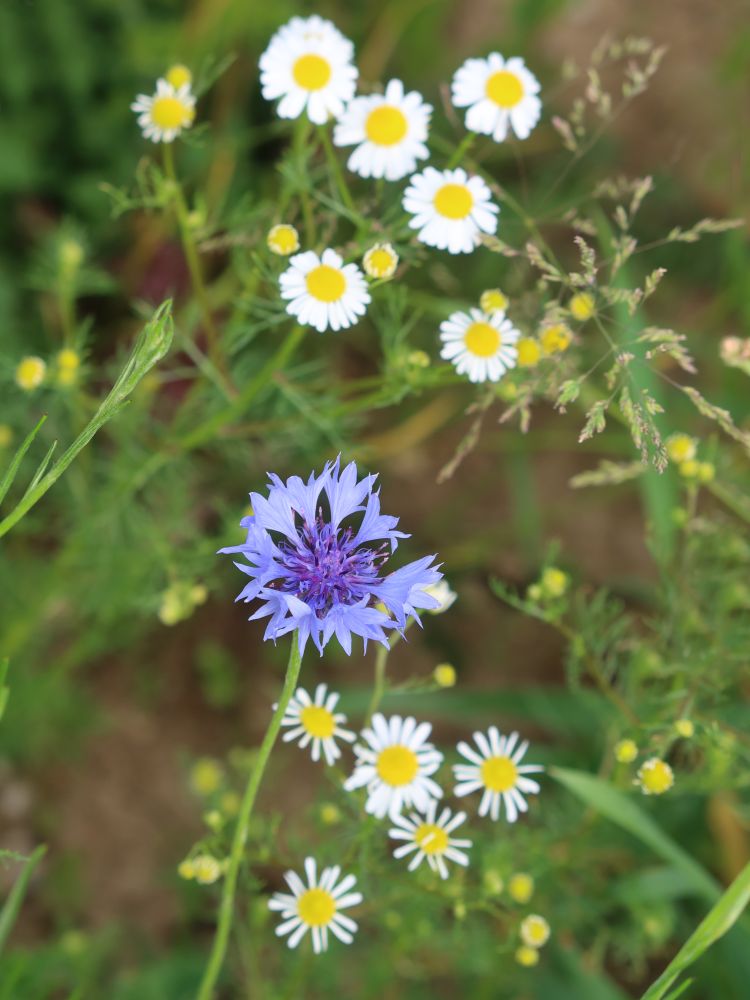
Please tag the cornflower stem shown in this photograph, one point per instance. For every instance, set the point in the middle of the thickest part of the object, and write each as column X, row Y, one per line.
column 338, row 174
column 461, row 150
column 193, row 262
column 226, row 906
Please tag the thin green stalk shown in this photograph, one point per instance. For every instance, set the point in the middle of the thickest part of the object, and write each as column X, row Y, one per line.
column 226, row 906
column 191, row 256
column 461, row 150
column 336, row 170
column 378, row 689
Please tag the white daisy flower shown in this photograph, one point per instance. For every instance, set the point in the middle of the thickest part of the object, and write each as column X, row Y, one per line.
column 450, row 209
column 496, row 769
column 389, row 131
column 380, row 261
column 431, row 838
column 308, row 64
column 395, row 766
column 323, row 291
column 479, row 344
column 500, row 94
column 316, row 906
column 165, row 114
column 313, row 720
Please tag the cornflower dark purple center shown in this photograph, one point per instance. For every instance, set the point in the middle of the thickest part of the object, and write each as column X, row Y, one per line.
column 325, row 566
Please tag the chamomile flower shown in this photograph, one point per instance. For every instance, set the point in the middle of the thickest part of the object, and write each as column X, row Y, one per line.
column 655, row 777
column 323, row 291
column 480, row 345
column 313, row 720
column 395, row 766
column 308, row 64
column 500, row 94
column 450, row 209
column 429, row 835
column 442, row 593
column 389, row 131
column 497, row 771
column 30, row 373
column 380, row 261
column 316, row 906
column 535, row 931
column 282, row 239
column 165, row 114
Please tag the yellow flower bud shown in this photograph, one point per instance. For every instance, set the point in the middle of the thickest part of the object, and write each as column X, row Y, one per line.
column 283, row 240
column 555, row 339
column 380, row 261
column 493, row 300
column 206, row 776
column 179, row 76
column 582, row 306
column 206, row 869
column 626, row 751
column 6, row 435
column 681, row 448
column 445, row 675
column 529, row 352
column 186, row 869
column 30, row 373
column 527, row 956
column 330, row 814
column 535, row 931
column 655, row 777
column 554, row 582
column 685, row 728
column 521, row 887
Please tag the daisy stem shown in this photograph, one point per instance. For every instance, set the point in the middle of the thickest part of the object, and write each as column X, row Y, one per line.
column 379, row 687
column 461, row 150
column 193, row 262
column 226, row 906
column 337, row 172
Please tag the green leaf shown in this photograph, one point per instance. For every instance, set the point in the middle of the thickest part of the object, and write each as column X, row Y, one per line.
column 13, row 903
column 717, row 922
column 622, row 810
column 152, row 344
column 10, row 473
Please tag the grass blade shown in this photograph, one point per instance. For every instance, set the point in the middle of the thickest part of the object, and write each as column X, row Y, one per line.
column 13, row 903
column 10, row 473
column 716, row 923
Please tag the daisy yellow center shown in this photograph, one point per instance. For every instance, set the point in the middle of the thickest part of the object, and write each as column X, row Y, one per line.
column 397, row 765
column 482, row 340
column 325, row 283
column 311, row 72
column 316, row 907
column 453, row 201
column 431, row 838
column 169, row 112
column 318, row 721
column 499, row 774
column 504, row 88
column 386, row 125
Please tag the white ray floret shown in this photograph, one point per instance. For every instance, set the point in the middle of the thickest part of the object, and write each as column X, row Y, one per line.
column 450, row 209
column 480, row 345
column 323, row 291
column 314, row 722
column 163, row 115
column 496, row 770
column 389, row 131
column 316, row 906
column 308, row 68
column 394, row 764
column 429, row 836
column 500, row 95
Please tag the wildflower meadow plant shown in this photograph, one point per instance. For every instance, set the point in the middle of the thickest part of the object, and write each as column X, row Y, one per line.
column 496, row 763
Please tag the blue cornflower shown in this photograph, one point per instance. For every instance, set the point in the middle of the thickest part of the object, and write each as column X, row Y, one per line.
column 319, row 572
